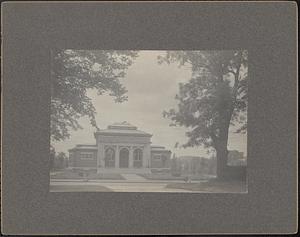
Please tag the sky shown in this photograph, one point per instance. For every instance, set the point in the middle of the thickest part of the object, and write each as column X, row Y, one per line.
column 151, row 90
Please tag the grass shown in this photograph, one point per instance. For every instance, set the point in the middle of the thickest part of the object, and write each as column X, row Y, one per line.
column 79, row 188
column 168, row 176
column 68, row 174
column 213, row 185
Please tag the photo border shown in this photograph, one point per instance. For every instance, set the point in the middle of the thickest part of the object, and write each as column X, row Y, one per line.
column 268, row 30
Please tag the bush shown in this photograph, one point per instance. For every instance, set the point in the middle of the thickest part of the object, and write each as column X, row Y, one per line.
column 81, row 174
column 176, row 173
column 160, row 170
column 58, row 161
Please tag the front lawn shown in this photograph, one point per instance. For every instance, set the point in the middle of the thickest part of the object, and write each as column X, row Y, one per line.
column 213, row 186
column 79, row 188
column 168, row 176
column 68, row 174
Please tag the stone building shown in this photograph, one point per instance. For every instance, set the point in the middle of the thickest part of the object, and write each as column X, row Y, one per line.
column 121, row 145
column 197, row 164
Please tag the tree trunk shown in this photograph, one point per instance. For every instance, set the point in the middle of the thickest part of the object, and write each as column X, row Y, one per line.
column 222, row 156
column 221, row 149
column 225, row 107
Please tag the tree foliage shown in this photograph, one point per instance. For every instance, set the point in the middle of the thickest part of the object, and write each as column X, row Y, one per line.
column 73, row 73
column 213, row 99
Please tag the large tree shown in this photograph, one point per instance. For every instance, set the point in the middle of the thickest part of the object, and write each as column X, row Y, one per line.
column 73, row 73
column 213, row 99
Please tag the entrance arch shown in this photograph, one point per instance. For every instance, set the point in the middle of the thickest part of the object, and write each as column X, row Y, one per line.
column 109, row 158
column 124, row 158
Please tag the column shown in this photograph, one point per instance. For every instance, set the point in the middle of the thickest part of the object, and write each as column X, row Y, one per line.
column 117, row 157
column 102, row 162
column 100, row 155
column 97, row 158
column 147, row 156
column 131, row 157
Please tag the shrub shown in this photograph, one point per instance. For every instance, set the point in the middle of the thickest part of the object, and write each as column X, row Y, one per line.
column 160, row 170
column 176, row 173
column 80, row 174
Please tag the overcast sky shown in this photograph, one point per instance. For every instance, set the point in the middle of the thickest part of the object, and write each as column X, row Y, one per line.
column 151, row 90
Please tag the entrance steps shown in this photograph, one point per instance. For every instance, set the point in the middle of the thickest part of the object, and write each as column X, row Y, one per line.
column 124, row 170
column 133, row 177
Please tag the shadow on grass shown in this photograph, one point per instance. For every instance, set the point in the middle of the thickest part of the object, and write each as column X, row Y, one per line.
column 168, row 176
column 79, row 188
column 213, row 186
column 68, row 174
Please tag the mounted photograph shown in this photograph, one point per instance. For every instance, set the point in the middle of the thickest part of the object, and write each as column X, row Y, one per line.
column 149, row 121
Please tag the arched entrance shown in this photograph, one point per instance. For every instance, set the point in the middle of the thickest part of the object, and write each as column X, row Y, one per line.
column 124, row 158
column 109, row 158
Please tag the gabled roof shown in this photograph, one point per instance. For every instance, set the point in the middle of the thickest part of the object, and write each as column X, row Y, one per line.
column 123, row 128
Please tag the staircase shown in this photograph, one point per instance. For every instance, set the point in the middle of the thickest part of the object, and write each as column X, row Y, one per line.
column 133, row 177
column 124, row 170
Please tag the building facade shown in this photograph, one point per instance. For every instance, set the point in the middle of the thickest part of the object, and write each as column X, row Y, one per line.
column 121, row 145
column 197, row 164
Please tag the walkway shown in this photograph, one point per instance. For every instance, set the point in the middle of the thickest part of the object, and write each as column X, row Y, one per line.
column 90, row 186
column 133, row 177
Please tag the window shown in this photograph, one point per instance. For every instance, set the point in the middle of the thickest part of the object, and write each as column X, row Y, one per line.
column 137, row 158
column 138, row 155
column 164, row 160
column 86, row 156
column 157, row 156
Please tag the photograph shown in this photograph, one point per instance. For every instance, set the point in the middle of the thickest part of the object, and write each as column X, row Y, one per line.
column 148, row 121
column 149, row 118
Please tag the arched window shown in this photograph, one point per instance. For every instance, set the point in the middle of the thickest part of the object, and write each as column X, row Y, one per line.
column 137, row 158
column 109, row 157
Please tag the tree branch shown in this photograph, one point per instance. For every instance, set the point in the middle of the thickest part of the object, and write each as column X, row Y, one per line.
column 231, row 71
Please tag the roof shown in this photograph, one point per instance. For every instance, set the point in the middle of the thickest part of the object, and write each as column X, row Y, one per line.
column 84, row 146
column 123, row 125
column 159, row 148
column 155, row 146
column 123, row 128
